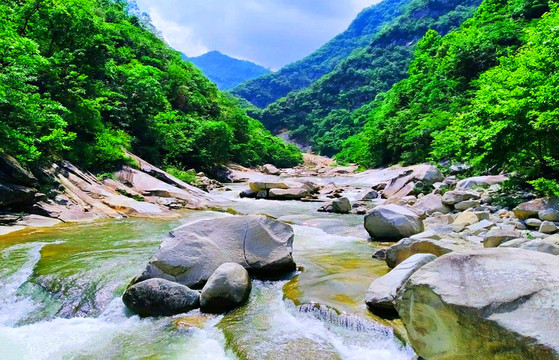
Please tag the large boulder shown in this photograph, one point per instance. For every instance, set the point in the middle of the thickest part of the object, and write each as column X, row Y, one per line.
column 392, row 222
column 430, row 204
column 288, row 194
column 382, row 292
column 484, row 304
column 194, row 251
column 406, row 248
column 457, row 196
column 159, row 297
column 227, row 288
column 480, row 181
column 531, row 209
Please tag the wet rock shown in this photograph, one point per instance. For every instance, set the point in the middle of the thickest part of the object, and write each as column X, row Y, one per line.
column 430, row 204
column 159, row 297
column 248, row 194
column 406, row 248
column 380, row 254
column 382, row 292
column 262, row 194
column 481, row 303
column 392, row 222
column 270, row 170
column 288, row 194
column 497, row 236
column 191, row 254
column 480, row 181
column 456, row 196
column 228, row 288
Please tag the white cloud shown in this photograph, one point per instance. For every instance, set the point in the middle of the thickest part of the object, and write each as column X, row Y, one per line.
column 269, row 32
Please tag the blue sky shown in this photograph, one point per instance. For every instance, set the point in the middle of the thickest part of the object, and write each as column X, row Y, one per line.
column 272, row 33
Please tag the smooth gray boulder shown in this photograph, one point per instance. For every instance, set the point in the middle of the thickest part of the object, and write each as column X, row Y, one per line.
column 228, row 288
column 160, row 297
column 392, row 222
column 406, row 248
column 484, row 304
column 194, row 251
column 382, row 292
column 548, row 227
column 430, row 204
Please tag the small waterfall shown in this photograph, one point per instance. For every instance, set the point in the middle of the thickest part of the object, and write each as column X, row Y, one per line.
column 13, row 307
column 343, row 320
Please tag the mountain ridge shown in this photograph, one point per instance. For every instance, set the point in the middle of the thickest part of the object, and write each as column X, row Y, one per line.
column 226, row 71
column 299, row 75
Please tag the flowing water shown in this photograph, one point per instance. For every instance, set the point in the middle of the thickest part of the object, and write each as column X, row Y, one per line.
column 60, row 295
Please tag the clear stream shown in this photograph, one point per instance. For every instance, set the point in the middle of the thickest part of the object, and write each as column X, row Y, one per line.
column 60, row 295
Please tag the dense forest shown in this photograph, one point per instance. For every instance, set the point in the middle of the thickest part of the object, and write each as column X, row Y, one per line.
column 83, row 80
column 486, row 94
column 323, row 112
column 301, row 74
column 226, row 72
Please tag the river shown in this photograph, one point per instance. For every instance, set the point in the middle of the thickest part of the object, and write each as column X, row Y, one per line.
column 60, row 294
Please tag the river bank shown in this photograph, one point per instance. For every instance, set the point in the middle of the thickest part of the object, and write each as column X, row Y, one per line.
column 69, row 278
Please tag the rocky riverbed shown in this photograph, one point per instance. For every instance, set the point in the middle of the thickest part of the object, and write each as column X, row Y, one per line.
column 402, row 250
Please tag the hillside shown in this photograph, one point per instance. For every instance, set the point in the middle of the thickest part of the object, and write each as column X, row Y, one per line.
column 301, row 74
column 323, row 112
column 485, row 94
column 83, row 80
column 226, row 72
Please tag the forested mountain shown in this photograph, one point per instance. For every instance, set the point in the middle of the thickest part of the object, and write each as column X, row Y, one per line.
column 299, row 75
column 487, row 94
column 83, row 79
column 226, row 72
column 323, row 112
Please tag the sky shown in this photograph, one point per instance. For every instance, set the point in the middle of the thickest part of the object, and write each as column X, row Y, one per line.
column 272, row 33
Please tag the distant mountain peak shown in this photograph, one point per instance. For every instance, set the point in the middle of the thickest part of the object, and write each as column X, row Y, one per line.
column 226, row 71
